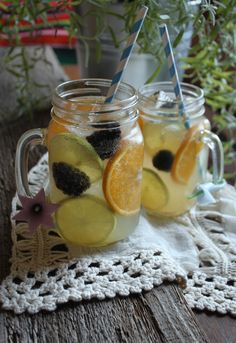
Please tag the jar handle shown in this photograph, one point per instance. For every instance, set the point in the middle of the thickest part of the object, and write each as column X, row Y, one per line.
column 204, row 190
column 27, row 140
column 214, row 144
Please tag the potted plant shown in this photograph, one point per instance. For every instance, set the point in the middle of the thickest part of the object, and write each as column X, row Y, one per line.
column 100, row 41
column 209, row 62
column 101, row 27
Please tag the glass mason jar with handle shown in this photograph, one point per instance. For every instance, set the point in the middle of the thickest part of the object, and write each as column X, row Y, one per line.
column 176, row 158
column 95, row 160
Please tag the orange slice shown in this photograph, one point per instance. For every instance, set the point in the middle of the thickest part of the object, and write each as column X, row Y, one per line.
column 86, row 104
column 122, row 179
column 141, row 123
column 186, row 156
column 54, row 128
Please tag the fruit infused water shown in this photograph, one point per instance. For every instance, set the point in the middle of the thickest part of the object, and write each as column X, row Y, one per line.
column 95, row 162
column 176, row 158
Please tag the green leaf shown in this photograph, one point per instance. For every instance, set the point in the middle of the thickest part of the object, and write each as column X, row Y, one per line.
column 178, row 38
column 113, row 35
column 98, row 51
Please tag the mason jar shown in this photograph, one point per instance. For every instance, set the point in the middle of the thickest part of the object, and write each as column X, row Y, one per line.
column 176, row 158
column 95, row 156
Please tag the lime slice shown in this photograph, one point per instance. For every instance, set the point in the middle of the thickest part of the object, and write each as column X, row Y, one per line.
column 77, row 152
column 154, row 191
column 85, row 220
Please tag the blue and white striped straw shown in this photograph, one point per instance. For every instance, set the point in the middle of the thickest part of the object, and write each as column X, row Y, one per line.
column 126, row 54
column 173, row 73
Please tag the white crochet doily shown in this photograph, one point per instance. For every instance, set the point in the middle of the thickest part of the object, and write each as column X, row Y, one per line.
column 198, row 249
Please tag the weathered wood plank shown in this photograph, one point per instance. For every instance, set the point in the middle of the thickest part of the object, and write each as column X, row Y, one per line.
column 173, row 316
column 219, row 329
column 157, row 316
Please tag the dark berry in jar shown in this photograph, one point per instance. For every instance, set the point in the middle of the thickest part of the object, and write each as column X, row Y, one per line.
column 105, row 141
column 70, row 180
column 163, row 160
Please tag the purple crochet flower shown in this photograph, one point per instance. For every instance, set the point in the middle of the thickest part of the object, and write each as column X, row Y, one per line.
column 36, row 211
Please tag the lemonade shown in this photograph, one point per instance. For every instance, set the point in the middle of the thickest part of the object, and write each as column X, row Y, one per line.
column 174, row 164
column 95, row 164
column 176, row 158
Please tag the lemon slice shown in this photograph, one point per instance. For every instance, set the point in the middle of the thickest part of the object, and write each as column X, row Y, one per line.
column 154, row 191
column 86, row 220
column 77, row 152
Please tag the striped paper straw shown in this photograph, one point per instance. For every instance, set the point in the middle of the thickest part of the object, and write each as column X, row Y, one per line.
column 173, row 73
column 126, row 54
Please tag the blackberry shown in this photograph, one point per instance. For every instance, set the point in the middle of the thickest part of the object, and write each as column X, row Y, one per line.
column 163, row 160
column 70, row 180
column 105, row 142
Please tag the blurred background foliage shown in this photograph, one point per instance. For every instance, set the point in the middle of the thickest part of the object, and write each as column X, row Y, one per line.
column 211, row 62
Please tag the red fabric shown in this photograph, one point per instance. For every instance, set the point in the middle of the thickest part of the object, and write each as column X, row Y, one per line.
column 52, row 32
column 56, row 38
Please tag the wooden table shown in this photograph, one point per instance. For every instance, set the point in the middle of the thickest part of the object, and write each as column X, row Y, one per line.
column 160, row 315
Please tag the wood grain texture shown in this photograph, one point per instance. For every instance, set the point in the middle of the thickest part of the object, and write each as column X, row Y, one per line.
column 219, row 328
column 160, row 315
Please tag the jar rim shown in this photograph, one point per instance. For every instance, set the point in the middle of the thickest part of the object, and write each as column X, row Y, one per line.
column 194, row 106
column 64, row 92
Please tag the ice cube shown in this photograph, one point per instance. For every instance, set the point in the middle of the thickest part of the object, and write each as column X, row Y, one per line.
column 162, row 100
